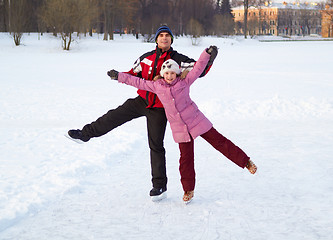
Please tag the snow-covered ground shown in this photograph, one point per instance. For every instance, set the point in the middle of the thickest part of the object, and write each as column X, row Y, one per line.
column 274, row 100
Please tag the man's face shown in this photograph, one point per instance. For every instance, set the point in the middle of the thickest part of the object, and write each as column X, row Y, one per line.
column 164, row 41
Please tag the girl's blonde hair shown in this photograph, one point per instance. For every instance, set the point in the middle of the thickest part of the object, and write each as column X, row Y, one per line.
column 157, row 77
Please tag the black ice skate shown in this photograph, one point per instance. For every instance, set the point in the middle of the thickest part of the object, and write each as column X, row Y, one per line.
column 157, row 194
column 76, row 136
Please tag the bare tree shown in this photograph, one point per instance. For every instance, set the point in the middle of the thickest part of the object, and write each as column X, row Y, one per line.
column 108, row 19
column 327, row 27
column 246, row 9
column 196, row 31
column 19, row 18
column 117, row 14
column 262, row 17
column 225, row 24
column 66, row 16
column 4, row 16
column 86, row 14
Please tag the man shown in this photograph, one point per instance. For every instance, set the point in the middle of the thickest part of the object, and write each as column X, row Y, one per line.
column 146, row 104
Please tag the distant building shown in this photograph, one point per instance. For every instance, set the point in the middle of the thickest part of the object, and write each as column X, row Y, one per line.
column 280, row 19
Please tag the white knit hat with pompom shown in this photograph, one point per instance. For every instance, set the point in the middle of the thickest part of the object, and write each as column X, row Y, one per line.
column 170, row 66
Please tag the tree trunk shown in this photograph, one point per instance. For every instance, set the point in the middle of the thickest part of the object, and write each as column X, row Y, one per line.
column 106, row 37
column 17, row 38
column 69, row 41
column 246, row 8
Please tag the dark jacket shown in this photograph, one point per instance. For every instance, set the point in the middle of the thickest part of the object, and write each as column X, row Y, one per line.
column 149, row 65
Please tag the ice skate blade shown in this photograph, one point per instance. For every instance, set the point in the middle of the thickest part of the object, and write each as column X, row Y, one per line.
column 159, row 197
column 75, row 140
column 187, row 202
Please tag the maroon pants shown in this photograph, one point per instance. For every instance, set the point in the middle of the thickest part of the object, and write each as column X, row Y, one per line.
column 220, row 143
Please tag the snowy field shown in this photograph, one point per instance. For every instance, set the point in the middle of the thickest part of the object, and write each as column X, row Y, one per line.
column 274, row 100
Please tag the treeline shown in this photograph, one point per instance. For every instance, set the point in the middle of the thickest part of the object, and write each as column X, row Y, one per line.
column 184, row 17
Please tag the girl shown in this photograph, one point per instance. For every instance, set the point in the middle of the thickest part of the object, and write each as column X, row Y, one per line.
column 186, row 121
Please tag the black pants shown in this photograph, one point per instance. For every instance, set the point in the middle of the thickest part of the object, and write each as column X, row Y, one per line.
column 156, row 125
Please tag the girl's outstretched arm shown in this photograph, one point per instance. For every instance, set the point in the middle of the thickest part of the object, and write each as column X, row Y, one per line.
column 137, row 82
column 198, row 67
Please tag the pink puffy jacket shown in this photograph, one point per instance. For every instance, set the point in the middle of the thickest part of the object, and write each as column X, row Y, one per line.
column 184, row 116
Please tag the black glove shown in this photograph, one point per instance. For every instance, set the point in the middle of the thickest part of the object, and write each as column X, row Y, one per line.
column 212, row 50
column 113, row 74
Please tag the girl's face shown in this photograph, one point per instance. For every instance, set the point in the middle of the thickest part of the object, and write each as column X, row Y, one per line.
column 169, row 77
